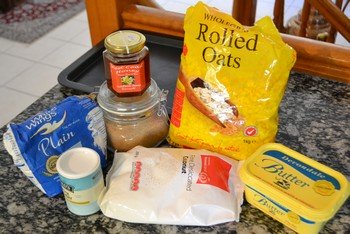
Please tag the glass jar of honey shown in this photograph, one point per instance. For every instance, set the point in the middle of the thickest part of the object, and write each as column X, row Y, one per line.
column 126, row 61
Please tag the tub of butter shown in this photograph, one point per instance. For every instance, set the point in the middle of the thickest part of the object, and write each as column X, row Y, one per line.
column 292, row 188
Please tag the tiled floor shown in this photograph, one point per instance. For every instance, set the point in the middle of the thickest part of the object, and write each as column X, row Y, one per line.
column 27, row 71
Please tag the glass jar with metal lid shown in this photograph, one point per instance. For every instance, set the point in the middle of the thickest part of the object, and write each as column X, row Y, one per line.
column 126, row 61
column 139, row 120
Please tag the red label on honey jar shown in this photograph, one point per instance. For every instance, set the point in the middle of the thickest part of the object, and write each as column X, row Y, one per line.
column 128, row 78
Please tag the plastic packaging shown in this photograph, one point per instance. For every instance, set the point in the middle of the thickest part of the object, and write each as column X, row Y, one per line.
column 172, row 186
column 292, row 188
column 231, row 81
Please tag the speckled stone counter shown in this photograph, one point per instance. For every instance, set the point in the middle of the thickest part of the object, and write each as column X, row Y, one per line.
column 314, row 120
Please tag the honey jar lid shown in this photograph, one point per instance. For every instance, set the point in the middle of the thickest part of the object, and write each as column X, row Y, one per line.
column 125, row 42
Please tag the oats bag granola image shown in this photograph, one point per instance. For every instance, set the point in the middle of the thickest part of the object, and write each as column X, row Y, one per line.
column 230, row 84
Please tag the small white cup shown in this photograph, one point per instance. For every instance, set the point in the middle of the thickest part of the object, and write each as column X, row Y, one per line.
column 81, row 179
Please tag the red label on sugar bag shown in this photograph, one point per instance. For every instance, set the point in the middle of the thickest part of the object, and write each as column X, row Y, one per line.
column 215, row 171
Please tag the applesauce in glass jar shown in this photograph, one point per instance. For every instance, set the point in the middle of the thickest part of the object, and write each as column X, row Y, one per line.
column 138, row 120
column 126, row 62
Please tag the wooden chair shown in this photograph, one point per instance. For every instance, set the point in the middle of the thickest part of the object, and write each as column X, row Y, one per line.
column 313, row 57
column 333, row 14
column 244, row 11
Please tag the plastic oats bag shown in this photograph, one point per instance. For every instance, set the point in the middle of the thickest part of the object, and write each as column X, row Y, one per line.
column 231, row 81
column 36, row 144
column 172, row 186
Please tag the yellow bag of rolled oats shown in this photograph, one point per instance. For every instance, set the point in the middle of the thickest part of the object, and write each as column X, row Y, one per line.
column 231, row 81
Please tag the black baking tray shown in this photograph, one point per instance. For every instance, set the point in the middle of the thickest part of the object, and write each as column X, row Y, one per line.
column 87, row 72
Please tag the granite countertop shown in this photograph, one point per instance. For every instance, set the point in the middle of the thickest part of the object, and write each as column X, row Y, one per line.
column 314, row 120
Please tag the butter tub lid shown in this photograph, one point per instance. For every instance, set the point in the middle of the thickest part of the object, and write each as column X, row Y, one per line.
column 298, row 183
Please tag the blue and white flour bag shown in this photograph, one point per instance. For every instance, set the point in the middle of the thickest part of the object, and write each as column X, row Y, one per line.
column 36, row 144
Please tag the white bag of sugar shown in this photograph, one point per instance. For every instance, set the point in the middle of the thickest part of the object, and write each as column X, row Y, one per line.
column 172, row 186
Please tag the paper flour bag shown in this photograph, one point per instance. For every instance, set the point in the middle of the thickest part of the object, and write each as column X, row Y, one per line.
column 36, row 144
